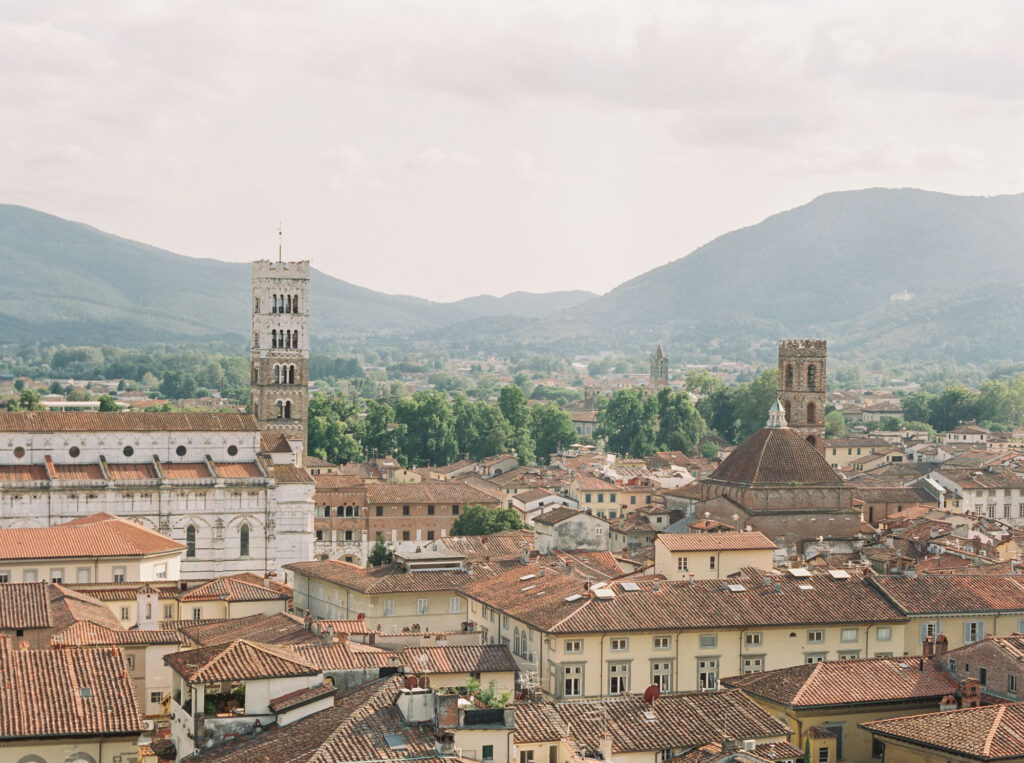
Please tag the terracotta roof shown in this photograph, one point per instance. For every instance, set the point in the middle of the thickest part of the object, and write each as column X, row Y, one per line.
column 132, row 472
column 344, row 655
column 317, row 462
column 427, row 492
column 343, row 626
column 81, row 421
column 24, row 605
column 66, row 693
column 78, row 472
column 776, row 456
column 507, row 544
column 906, row 495
column 680, row 720
column 188, row 471
column 83, row 633
column 933, row 594
column 848, row 682
column 231, row 589
column 336, row 481
column 664, row 605
column 238, row 661
column 26, row 473
column 237, row 470
column 974, row 479
column 111, row 536
column 534, row 494
column 562, row 513
column 979, row 733
column 724, row 541
column 1013, row 645
column 390, row 578
column 300, row 697
column 286, row 474
column 476, row 658
column 279, row 628
column 587, row 482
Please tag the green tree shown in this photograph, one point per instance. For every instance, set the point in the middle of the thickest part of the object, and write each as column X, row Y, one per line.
column 753, row 401
column 378, row 431
column 708, row 449
column 552, row 430
column 955, row 404
column 107, row 404
column 513, row 406
column 428, row 433
column 718, row 409
column 483, row 520
column 331, row 426
column 177, row 385
column 29, row 400
column 917, row 406
column 680, row 426
column 627, row 423
column 835, row 424
column 56, row 388
column 381, row 553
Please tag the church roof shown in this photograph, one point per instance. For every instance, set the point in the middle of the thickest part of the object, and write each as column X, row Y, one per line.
column 776, row 456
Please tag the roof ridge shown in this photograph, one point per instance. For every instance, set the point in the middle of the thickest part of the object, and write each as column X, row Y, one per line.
column 803, row 687
column 760, row 456
column 990, row 737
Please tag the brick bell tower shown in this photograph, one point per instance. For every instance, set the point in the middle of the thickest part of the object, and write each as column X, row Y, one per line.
column 279, row 392
column 802, row 387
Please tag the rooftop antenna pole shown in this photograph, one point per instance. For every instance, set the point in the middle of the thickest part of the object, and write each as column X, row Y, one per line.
column 279, row 235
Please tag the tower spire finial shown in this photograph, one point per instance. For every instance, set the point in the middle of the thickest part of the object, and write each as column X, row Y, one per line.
column 279, row 236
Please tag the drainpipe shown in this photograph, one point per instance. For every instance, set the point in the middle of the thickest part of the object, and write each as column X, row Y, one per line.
column 601, row 667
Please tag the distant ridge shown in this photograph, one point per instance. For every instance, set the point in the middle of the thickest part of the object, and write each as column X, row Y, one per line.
column 68, row 282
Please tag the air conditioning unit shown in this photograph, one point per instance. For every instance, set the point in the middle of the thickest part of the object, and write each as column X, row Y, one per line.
column 148, row 725
column 749, row 745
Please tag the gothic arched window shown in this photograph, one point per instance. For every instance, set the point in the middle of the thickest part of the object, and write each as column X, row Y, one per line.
column 243, row 540
column 789, row 376
column 811, row 377
column 789, row 413
column 811, row 413
column 190, row 541
column 291, row 375
column 287, row 409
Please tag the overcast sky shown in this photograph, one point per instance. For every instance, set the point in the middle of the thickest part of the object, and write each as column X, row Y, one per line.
column 446, row 148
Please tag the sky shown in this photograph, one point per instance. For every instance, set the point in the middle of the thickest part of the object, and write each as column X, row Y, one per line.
column 446, row 149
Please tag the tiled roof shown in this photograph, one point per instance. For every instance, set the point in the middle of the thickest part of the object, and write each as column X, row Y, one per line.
column 24, row 605
column 287, row 474
column 66, row 693
column 776, row 456
column 905, row 495
column 664, row 605
column 344, row 655
column 238, row 661
column 111, row 536
column 587, row 482
column 300, row 697
column 279, row 628
column 132, row 472
column 534, row 494
column 846, row 682
column 336, row 481
column 979, row 733
column 230, row 589
column 973, row 479
column 83, row 633
column 934, row 594
column 476, row 658
column 19, row 473
column 427, row 492
column 197, row 470
column 680, row 720
column 727, row 541
column 507, row 544
column 344, row 626
column 389, row 578
column 560, row 514
column 1013, row 645
column 78, row 472
column 80, row 421
column 237, row 470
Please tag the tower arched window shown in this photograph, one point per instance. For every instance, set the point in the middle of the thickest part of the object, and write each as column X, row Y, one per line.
column 789, row 376
column 296, row 308
column 255, row 374
column 812, row 374
column 243, row 540
column 811, row 413
column 277, row 374
column 295, row 339
column 789, row 412
column 291, row 374
column 255, row 340
column 280, row 409
column 273, row 338
column 190, row 541
column 287, row 409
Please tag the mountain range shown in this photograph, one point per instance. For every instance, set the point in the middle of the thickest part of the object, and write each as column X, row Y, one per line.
column 881, row 273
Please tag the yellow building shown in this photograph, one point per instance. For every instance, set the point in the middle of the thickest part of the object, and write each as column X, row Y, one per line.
column 711, row 555
column 584, row 640
column 985, row 733
column 837, row 696
column 455, row 666
column 596, row 495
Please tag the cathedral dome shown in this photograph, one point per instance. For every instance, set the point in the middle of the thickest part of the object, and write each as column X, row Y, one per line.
column 776, row 455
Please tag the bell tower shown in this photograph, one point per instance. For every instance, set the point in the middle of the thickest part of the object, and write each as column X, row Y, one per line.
column 659, row 368
column 279, row 391
column 802, row 388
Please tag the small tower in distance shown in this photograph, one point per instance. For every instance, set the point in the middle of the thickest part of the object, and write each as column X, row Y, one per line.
column 802, row 388
column 279, row 392
column 659, row 368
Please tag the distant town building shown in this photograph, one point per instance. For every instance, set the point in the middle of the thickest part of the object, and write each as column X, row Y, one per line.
column 659, row 368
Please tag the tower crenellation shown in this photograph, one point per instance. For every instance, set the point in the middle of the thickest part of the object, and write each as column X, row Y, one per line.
column 802, row 387
column 279, row 395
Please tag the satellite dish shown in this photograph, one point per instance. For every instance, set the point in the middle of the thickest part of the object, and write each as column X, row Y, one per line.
column 651, row 694
column 410, row 682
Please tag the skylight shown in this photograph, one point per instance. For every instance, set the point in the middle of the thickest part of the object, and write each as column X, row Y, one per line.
column 527, row 577
column 737, row 587
column 806, row 587
column 630, row 587
column 800, row 572
column 839, row 574
column 574, row 597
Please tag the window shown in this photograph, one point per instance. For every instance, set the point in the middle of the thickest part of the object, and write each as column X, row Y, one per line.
column 128, row 451
column 1006, row 510
column 405, row 511
column 600, row 497
column 753, row 665
column 380, row 511
column 57, row 575
column 181, row 450
column 811, row 374
column 430, row 534
column 455, row 510
column 952, row 665
column 574, row 646
column 752, row 639
column 504, row 621
column 168, row 612
column 454, row 604
column 618, row 677
column 991, row 511
column 430, row 511
column 711, row 562
column 421, row 606
column 389, row 607
column 1011, row 684
column 620, row 644
column 823, row 755
column 815, row 637
column 661, row 675
column 405, row 535
column 983, row 676
column 5, row 576
column 812, row 657
column 708, row 640
column 682, row 564
column 587, row 498
column 74, row 452
column 877, row 748
column 974, row 630
column 155, row 697
column 190, row 542
column 160, row 571
column 487, row 752
column 662, row 642
column 348, row 535
column 82, row 575
column 850, row 655
column 707, row 674
column 232, row 450
column 30, row 576
column 883, row 634
column 848, row 635
column 130, row 659
column 124, row 613
column 526, row 756
column 19, row 452
column 319, row 534
column 243, row 540
column 197, row 613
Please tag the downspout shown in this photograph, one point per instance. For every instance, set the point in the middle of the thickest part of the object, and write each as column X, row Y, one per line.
column 601, row 667
column 678, row 683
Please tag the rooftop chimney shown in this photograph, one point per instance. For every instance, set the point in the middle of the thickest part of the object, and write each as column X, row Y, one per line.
column 444, row 744
column 941, row 645
column 327, row 634
column 606, row 745
column 308, row 621
column 730, row 744
column 928, row 647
